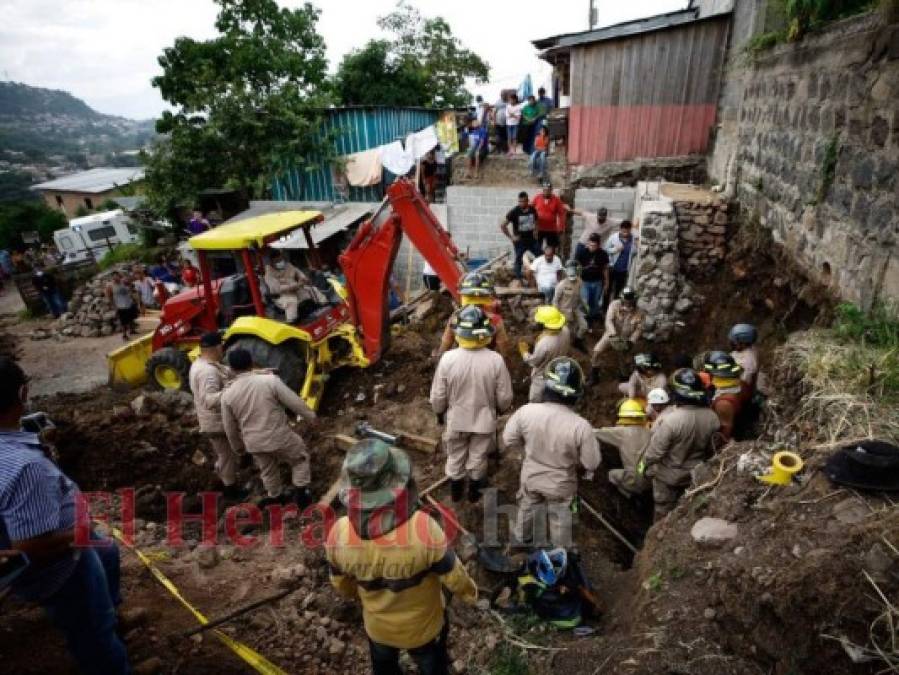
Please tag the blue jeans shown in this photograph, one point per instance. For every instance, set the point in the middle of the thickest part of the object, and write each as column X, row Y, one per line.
column 56, row 305
column 431, row 658
column 591, row 293
column 548, row 293
column 84, row 609
column 537, row 163
column 521, row 248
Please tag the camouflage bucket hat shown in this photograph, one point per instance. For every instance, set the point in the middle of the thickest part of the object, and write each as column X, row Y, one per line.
column 377, row 471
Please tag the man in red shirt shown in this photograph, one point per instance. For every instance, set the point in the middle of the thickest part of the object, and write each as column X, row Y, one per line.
column 551, row 216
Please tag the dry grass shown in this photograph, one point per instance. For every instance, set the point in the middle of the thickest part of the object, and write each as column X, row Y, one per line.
column 843, row 387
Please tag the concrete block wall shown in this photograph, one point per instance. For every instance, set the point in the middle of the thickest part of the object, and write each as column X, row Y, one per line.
column 619, row 202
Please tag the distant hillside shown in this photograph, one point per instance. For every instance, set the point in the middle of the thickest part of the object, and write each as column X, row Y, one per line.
column 45, row 133
column 45, row 124
column 20, row 100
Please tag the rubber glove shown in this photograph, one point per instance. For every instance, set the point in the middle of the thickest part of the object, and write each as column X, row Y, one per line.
column 641, row 468
column 524, row 349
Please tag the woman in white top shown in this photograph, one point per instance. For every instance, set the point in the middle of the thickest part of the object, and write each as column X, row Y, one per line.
column 513, row 119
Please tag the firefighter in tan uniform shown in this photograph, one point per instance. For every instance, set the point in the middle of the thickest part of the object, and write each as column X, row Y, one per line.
column 743, row 337
column 681, row 439
column 556, row 440
column 290, row 288
column 731, row 393
column 624, row 328
column 553, row 341
column 471, row 387
column 629, row 436
column 568, row 300
column 207, row 379
column 476, row 289
column 647, row 376
column 254, row 415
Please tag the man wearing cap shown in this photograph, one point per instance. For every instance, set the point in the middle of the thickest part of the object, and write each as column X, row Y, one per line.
column 629, row 436
column 553, row 341
column 555, row 441
column 291, row 289
column 395, row 558
column 551, row 215
column 471, row 387
column 207, row 381
column 624, row 327
column 254, row 417
column 567, row 299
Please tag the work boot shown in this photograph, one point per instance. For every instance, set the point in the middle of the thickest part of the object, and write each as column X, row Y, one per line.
column 474, row 489
column 302, row 497
column 593, row 378
column 234, row 493
column 457, row 489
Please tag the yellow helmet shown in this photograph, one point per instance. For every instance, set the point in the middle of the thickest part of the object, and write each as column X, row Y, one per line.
column 631, row 409
column 549, row 317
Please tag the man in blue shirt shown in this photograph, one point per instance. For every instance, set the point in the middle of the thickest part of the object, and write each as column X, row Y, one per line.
column 545, row 103
column 78, row 586
column 620, row 248
column 477, row 145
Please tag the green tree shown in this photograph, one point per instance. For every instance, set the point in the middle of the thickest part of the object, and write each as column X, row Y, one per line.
column 18, row 217
column 373, row 76
column 422, row 63
column 245, row 103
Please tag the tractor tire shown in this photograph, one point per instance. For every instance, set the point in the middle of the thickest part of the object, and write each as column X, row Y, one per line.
column 169, row 368
column 284, row 358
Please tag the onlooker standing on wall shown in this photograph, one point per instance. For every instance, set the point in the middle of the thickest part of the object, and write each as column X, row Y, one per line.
column 513, row 120
column 477, row 140
column 529, row 115
column 551, row 214
column 429, row 176
column 499, row 123
column 537, row 162
column 594, row 262
column 545, row 103
column 546, row 270
column 523, row 219
column 620, row 247
column 598, row 222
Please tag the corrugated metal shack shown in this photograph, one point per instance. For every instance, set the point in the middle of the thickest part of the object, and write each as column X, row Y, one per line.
column 641, row 89
column 356, row 128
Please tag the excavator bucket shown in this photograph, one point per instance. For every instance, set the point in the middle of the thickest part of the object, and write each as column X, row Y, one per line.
column 128, row 364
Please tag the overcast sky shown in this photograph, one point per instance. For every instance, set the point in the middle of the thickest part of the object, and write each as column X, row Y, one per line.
column 105, row 51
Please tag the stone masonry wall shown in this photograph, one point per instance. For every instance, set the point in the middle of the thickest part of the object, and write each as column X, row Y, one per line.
column 664, row 294
column 819, row 154
column 702, row 234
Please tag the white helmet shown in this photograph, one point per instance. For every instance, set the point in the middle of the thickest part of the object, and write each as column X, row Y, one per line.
column 658, row 397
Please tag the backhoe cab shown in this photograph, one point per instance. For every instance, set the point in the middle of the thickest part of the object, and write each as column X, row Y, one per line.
column 350, row 329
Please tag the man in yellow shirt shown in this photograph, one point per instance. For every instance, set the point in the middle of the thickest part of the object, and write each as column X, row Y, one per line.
column 396, row 559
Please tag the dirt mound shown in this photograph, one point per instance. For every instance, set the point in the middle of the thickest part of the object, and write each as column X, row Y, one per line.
column 776, row 597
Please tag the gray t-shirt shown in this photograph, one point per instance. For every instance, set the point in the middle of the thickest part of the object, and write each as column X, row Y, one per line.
column 121, row 296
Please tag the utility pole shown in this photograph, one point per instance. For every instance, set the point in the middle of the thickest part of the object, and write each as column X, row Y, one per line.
column 592, row 18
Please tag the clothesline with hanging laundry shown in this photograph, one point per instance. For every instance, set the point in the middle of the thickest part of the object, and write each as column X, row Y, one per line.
column 365, row 168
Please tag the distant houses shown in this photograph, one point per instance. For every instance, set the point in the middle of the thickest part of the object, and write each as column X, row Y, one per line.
column 87, row 189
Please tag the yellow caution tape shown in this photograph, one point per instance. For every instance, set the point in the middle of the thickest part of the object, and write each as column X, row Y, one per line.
column 250, row 656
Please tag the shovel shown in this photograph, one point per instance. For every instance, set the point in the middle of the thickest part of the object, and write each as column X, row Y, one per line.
column 491, row 559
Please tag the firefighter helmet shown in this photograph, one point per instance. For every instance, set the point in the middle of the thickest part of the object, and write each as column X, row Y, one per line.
column 686, row 386
column 564, row 379
column 549, row 317
column 721, row 364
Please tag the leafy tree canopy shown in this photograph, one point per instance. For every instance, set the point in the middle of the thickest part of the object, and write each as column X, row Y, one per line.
column 245, row 103
column 18, row 217
column 422, row 64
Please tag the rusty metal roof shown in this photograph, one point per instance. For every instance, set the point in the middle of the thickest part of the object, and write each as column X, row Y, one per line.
column 626, row 29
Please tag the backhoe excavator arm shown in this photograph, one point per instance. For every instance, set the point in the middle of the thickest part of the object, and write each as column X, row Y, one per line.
column 368, row 260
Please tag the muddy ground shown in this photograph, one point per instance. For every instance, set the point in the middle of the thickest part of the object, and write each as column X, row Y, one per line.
column 760, row 604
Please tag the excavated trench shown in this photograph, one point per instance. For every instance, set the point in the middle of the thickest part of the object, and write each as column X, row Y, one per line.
column 104, row 445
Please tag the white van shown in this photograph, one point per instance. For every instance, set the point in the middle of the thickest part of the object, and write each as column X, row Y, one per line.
column 92, row 236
